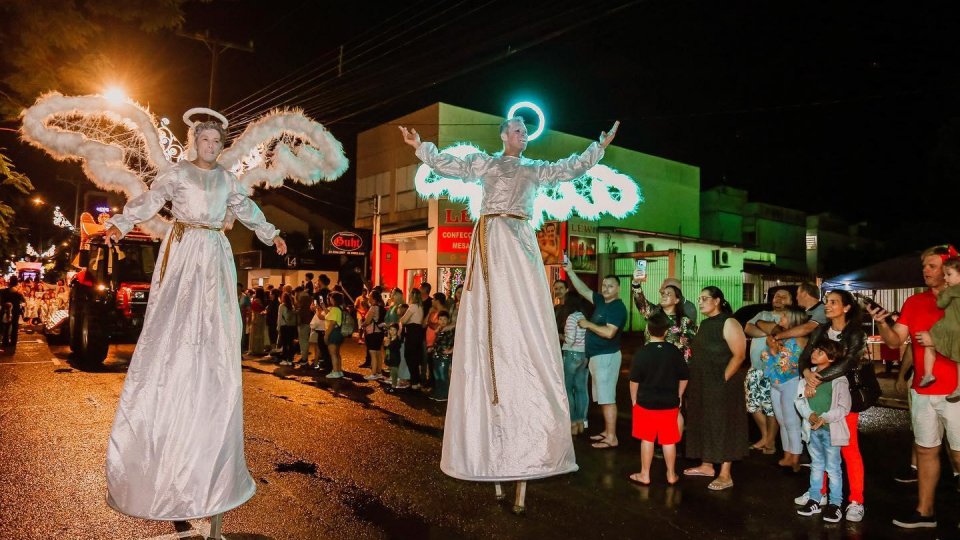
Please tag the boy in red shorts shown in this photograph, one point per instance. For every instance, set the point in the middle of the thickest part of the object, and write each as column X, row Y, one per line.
column 658, row 378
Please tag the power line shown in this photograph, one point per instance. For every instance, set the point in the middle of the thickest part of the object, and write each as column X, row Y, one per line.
column 488, row 61
column 376, row 39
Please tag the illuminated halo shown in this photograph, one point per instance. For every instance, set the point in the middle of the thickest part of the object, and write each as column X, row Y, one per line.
column 204, row 110
column 533, row 107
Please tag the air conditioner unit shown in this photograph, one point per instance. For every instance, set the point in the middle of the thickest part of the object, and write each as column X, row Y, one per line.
column 721, row 258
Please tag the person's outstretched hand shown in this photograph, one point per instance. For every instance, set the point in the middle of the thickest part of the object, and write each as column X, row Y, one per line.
column 281, row 245
column 411, row 137
column 112, row 235
column 606, row 138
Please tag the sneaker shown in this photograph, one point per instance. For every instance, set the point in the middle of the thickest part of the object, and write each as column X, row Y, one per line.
column 802, row 499
column 914, row 520
column 415, row 387
column 286, row 363
column 906, row 475
column 809, row 509
column 927, row 380
column 832, row 513
column 335, row 375
column 370, row 377
column 855, row 512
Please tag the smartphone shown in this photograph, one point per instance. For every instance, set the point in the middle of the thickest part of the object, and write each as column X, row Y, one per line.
column 640, row 272
column 874, row 305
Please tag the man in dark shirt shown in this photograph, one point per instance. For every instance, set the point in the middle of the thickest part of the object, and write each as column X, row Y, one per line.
column 324, row 291
column 561, row 307
column 426, row 298
column 273, row 313
column 12, row 296
column 603, row 348
column 658, row 378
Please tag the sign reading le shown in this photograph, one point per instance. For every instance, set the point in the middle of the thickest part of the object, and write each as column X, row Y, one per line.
column 346, row 241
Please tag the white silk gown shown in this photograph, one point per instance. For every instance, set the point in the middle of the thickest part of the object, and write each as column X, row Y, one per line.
column 176, row 448
column 518, row 427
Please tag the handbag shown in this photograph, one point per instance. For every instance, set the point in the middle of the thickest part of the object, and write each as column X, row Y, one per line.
column 349, row 324
column 864, row 387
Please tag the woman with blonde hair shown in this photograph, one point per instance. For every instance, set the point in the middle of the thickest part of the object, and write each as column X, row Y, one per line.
column 780, row 367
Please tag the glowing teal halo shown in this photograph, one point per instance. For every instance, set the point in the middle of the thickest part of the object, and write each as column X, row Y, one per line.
column 533, row 107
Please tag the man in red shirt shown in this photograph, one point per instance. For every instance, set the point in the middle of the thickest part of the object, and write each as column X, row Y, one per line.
column 930, row 413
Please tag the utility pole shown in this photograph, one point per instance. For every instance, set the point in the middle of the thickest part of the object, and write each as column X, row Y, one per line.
column 76, row 203
column 376, row 239
column 215, row 46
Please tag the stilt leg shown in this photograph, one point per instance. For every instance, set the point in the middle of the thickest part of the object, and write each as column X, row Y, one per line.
column 216, row 526
column 519, row 505
column 499, row 491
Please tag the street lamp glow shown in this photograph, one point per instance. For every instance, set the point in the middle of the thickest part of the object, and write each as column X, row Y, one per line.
column 533, row 107
column 37, row 201
column 115, row 94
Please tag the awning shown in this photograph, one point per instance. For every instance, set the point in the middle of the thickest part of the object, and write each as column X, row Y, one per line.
column 898, row 273
column 773, row 271
column 409, row 233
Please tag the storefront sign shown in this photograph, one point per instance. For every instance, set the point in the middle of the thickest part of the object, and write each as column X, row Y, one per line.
column 454, row 231
column 343, row 243
column 452, row 213
column 454, row 239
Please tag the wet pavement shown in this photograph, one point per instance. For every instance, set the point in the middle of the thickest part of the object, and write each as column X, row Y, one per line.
column 345, row 459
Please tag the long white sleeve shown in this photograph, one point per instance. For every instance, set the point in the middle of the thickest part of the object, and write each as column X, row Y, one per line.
column 572, row 167
column 147, row 204
column 446, row 164
column 250, row 214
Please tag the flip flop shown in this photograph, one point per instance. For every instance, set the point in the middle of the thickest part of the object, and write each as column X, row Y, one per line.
column 720, row 485
column 769, row 450
column 697, row 472
column 603, row 445
column 635, row 481
column 599, row 437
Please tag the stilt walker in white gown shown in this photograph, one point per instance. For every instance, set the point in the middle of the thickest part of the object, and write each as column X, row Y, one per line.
column 176, row 448
column 507, row 415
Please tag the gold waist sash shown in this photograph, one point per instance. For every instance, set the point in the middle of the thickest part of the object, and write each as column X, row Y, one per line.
column 176, row 235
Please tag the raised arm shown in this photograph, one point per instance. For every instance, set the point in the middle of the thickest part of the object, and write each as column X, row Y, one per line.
column 142, row 207
column 252, row 217
column 578, row 283
column 443, row 164
column 575, row 166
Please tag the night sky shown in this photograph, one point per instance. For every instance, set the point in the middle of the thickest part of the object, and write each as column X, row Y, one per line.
column 848, row 108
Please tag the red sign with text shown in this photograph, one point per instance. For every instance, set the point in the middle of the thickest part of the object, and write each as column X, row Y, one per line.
column 454, row 239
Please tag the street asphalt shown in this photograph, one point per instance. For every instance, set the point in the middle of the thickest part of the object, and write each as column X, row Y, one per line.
column 345, row 459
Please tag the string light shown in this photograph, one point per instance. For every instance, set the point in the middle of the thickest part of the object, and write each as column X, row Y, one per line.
column 60, row 220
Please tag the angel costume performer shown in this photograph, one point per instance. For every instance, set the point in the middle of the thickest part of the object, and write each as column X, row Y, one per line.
column 176, row 449
column 507, row 414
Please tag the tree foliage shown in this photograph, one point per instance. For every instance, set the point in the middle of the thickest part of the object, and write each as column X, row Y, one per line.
column 53, row 44
column 10, row 180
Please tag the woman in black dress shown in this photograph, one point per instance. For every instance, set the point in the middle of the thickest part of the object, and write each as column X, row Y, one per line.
column 716, row 412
